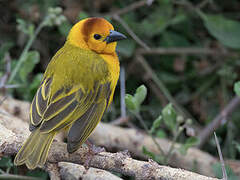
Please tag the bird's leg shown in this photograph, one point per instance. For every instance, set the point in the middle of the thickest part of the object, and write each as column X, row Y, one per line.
column 92, row 151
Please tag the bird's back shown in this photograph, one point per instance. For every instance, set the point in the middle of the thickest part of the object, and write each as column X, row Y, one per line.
column 72, row 66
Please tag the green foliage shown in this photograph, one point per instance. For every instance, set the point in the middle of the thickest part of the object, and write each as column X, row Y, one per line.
column 4, row 48
column 217, row 169
column 7, row 167
column 151, row 155
column 6, row 162
column 25, row 27
column 170, row 117
column 140, row 94
column 237, row 145
column 176, row 124
column 64, row 28
column 237, row 88
column 133, row 103
column 223, row 29
column 38, row 173
column 156, row 124
column 32, row 58
column 190, row 142
column 54, row 17
column 126, row 47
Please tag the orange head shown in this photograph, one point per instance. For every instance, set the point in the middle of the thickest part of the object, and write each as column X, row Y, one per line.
column 96, row 34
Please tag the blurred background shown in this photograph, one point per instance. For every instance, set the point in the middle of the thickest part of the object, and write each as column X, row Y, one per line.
column 184, row 52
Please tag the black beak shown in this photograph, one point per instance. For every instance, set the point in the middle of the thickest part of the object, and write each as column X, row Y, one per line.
column 114, row 36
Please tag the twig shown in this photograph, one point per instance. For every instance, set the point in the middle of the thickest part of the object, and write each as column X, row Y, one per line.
column 3, row 99
column 152, row 137
column 5, row 77
column 221, row 158
column 221, row 118
column 1, row 171
column 25, row 51
column 169, row 153
column 203, row 3
column 178, row 51
column 122, row 92
column 11, row 86
column 130, row 32
column 161, row 86
column 128, row 8
column 203, row 88
column 120, row 120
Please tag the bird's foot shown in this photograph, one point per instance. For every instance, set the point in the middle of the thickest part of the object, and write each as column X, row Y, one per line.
column 92, row 151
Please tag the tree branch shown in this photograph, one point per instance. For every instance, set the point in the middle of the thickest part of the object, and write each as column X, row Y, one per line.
column 179, row 51
column 75, row 172
column 128, row 8
column 12, row 135
column 119, row 162
column 130, row 32
column 111, row 137
column 220, row 119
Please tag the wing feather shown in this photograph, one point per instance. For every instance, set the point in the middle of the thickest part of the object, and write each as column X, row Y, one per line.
column 85, row 124
column 35, row 117
column 82, row 127
column 67, row 108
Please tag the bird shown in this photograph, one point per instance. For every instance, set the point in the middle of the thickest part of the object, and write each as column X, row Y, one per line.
column 76, row 89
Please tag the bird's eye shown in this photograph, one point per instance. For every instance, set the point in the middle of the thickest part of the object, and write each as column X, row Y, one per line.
column 97, row 36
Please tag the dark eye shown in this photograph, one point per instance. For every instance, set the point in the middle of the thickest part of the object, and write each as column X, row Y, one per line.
column 97, row 36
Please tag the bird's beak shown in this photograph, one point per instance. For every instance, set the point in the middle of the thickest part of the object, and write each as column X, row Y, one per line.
column 114, row 36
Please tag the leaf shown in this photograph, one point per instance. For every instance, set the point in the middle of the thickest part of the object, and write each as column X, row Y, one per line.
column 140, row 94
column 25, row 27
column 130, row 102
column 171, row 39
column 178, row 19
column 156, row 124
column 169, row 117
column 5, row 48
column 32, row 58
column 237, row 146
column 133, row 102
column 6, row 162
column 237, row 88
column 38, row 173
column 161, row 134
column 191, row 141
column 224, row 30
column 155, row 157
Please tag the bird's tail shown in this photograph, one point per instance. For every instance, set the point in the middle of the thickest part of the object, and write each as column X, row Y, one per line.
column 35, row 150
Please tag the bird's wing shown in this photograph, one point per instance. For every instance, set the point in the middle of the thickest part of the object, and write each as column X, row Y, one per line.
column 82, row 127
column 63, row 108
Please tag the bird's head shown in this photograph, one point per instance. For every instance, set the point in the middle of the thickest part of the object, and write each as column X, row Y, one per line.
column 96, row 34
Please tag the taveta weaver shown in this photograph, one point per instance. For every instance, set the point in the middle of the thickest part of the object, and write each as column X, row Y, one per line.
column 76, row 89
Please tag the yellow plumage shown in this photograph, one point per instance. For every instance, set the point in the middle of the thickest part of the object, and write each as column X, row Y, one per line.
column 76, row 89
